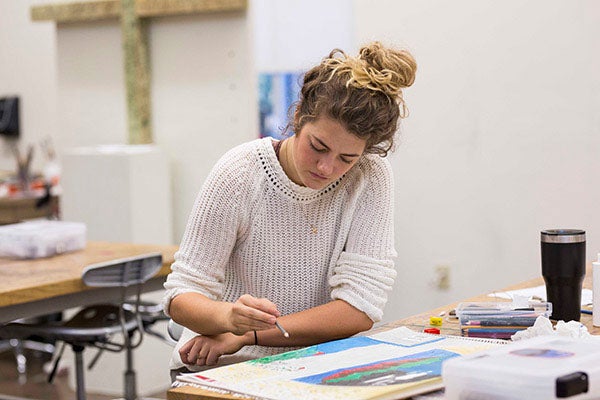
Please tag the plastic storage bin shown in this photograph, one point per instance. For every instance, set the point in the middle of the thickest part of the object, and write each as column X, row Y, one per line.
column 41, row 238
column 541, row 368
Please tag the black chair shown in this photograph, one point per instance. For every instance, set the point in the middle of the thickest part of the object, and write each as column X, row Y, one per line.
column 151, row 314
column 174, row 330
column 97, row 325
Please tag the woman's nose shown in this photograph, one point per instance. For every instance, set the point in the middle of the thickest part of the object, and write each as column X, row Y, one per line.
column 325, row 166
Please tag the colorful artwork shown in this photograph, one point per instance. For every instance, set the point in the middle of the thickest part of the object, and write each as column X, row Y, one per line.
column 411, row 368
column 396, row 364
column 277, row 93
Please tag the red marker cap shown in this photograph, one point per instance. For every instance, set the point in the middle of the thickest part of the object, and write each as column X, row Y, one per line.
column 434, row 331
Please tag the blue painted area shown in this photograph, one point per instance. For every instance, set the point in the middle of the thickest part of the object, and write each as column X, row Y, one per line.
column 346, row 344
column 323, row 348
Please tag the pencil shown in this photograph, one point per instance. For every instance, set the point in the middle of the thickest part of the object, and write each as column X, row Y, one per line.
column 281, row 329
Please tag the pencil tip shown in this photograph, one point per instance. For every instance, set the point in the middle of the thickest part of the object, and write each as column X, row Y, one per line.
column 286, row 334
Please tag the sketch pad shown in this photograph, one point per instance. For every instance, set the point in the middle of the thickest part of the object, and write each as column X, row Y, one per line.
column 394, row 364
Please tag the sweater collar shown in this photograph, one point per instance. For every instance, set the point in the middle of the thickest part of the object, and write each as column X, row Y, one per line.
column 276, row 174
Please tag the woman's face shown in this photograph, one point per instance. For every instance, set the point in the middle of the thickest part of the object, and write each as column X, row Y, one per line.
column 323, row 151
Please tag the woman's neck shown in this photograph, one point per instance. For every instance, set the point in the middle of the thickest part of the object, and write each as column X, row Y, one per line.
column 286, row 159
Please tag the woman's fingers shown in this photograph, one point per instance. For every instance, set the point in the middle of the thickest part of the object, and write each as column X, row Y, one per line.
column 262, row 304
column 213, row 357
column 251, row 313
column 206, row 350
column 201, row 350
column 184, row 352
column 195, row 351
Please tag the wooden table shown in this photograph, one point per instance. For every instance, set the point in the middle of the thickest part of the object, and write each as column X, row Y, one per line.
column 417, row 322
column 451, row 327
column 29, row 288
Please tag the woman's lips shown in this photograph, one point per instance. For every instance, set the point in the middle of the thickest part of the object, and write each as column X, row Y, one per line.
column 317, row 176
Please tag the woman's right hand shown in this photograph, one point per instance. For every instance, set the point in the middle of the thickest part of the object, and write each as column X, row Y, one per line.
column 250, row 313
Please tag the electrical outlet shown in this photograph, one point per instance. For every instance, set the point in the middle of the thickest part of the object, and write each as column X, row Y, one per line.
column 442, row 277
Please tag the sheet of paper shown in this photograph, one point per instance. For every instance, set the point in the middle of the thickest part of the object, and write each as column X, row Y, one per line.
column 539, row 291
column 394, row 364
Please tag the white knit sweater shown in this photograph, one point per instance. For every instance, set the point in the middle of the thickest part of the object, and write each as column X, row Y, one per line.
column 250, row 232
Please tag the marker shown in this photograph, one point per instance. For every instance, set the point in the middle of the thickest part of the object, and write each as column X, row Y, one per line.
column 281, row 329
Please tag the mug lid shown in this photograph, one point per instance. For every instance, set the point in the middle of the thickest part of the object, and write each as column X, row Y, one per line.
column 563, row 236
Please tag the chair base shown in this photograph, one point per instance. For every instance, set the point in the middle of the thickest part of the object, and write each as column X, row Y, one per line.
column 18, row 347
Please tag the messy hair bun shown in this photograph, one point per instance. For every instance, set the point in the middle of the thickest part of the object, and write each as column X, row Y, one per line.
column 377, row 68
column 363, row 93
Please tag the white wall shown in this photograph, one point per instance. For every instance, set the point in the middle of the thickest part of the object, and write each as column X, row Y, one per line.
column 202, row 85
column 27, row 69
column 502, row 140
column 293, row 35
column 203, row 97
column 90, row 84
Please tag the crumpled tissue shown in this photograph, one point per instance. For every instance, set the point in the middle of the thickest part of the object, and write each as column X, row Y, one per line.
column 543, row 326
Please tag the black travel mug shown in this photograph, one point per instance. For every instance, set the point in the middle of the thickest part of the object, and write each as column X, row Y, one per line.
column 563, row 269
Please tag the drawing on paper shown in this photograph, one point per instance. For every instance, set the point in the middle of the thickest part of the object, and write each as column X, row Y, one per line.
column 398, row 363
column 413, row 368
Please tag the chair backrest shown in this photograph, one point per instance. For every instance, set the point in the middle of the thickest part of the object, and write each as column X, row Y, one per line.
column 123, row 272
column 175, row 330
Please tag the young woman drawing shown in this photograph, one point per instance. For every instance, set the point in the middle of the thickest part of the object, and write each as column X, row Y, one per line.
column 298, row 231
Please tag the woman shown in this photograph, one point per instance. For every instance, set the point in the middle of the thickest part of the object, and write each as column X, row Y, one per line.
column 299, row 231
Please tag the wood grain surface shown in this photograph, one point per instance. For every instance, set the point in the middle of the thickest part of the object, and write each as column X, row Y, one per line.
column 23, row 281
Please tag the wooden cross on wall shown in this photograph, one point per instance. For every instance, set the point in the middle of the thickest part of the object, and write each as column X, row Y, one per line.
column 133, row 15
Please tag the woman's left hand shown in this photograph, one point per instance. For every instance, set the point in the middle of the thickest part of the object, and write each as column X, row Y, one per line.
column 206, row 350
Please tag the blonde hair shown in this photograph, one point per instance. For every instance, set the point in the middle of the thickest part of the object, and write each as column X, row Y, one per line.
column 363, row 93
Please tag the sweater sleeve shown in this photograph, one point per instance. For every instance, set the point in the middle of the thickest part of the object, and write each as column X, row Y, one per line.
column 211, row 233
column 364, row 273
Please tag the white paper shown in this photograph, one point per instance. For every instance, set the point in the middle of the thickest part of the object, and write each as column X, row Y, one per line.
column 538, row 291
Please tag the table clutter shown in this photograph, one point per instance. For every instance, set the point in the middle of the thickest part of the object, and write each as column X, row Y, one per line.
column 499, row 320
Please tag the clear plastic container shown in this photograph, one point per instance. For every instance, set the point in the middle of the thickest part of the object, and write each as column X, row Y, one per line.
column 540, row 368
column 41, row 238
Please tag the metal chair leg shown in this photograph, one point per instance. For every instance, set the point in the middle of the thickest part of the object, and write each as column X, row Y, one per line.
column 79, row 371
column 17, row 346
column 129, row 376
column 57, row 358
